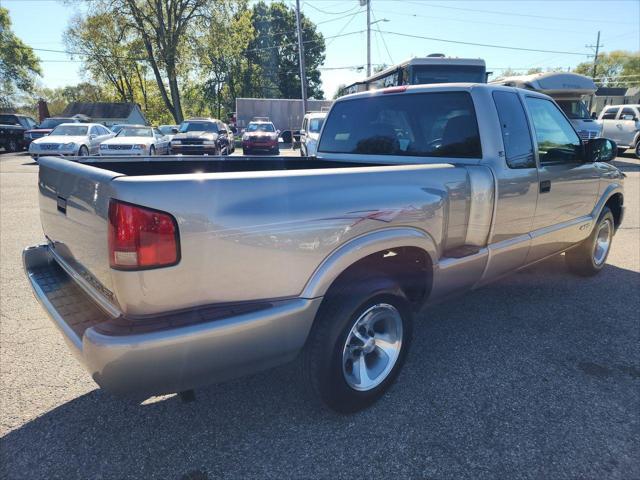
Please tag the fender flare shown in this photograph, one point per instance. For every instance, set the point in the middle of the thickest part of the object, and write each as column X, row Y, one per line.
column 609, row 192
column 358, row 248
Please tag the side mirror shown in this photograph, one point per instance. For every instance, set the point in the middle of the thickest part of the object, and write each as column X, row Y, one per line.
column 594, row 116
column 277, row 132
column 627, row 117
column 222, row 132
column 174, row 130
column 600, row 150
column 303, row 132
column 93, row 136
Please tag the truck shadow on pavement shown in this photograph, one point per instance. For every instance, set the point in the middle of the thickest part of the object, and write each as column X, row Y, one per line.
column 535, row 375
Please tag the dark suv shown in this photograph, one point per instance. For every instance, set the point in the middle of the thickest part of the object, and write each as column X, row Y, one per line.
column 12, row 128
column 199, row 136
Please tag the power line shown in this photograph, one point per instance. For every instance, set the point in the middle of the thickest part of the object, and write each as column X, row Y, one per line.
column 497, row 12
column 308, row 4
column 488, row 45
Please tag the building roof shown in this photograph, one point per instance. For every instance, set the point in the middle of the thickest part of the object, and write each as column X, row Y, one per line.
column 100, row 109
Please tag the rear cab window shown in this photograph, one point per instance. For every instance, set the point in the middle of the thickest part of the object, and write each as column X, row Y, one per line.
column 610, row 113
column 426, row 124
column 516, row 135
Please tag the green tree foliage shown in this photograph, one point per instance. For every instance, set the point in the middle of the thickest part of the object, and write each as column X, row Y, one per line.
column 615, row 69
column 19, row 65
column 273, row 54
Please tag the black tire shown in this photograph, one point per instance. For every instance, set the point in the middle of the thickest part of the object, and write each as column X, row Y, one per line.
column 637, row 150
column 245, row 151
column 322, row 358
column 276, row 151
column 152, row 151
column 12, row 145
column 83, row 151
column 583, row 260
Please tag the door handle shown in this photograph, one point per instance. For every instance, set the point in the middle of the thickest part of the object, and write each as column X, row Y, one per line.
column 545, row 186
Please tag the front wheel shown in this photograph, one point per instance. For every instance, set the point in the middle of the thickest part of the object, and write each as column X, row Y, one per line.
column 83, row 152
column 358, row 344
column 590, row 256
column 637, row 150
column 12, row 145
column 152, row 151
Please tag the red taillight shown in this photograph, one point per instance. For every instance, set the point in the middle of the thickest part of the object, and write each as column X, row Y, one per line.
column 140, row 237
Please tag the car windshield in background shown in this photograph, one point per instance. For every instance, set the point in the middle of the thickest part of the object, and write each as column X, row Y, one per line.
column 116, row 128
column 8, row 120
column 198, row 127
column 261, row 127
column 437, row 124
column 315, row 125
column 135, row 132
column 574, row 109
column 53, row 122
column 166, row 129
column 70, row 130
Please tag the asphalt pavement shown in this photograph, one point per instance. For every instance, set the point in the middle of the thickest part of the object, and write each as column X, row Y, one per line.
column 536, row 376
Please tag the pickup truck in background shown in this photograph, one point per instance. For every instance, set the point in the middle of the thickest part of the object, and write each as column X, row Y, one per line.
column 165, row 274
column 621, row 123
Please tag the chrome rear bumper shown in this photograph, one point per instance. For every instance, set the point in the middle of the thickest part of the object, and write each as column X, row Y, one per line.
column 153, row 356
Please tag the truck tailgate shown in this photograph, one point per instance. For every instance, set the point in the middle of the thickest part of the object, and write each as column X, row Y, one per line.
column 74, row 205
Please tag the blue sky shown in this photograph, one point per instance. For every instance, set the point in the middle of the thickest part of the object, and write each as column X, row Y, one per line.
column 556, row 25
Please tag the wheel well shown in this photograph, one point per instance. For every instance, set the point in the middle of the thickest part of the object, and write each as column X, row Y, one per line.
column 615, row 205
column 411, row 267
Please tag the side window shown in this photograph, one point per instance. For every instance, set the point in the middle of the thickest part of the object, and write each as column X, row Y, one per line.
column 610, row 113
column 557, row 141
column 629, row 112
column 515, row 130
column 94, row 131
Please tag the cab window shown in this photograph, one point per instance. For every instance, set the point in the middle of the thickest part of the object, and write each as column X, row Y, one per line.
column 557, row 141
column 515, row 130
column 610, row 113
column 629, row 112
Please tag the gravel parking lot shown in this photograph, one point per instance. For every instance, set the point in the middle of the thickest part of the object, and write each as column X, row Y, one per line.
column 536, row 376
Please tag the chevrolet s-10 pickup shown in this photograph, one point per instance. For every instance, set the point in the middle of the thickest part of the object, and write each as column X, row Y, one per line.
column 168, row 273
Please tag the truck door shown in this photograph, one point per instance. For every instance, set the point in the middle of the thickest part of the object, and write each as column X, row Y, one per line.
column 627, row 126
column 517, row 180
column 568, row 186
column 609, row 129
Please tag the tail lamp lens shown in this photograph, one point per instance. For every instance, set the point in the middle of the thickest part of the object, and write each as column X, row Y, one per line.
column 141, row 238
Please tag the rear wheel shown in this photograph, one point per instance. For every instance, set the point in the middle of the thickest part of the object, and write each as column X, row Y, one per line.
column 358, row 343
column 589, row 258
column 12, row 145
column 83, row 152
column 637, row 150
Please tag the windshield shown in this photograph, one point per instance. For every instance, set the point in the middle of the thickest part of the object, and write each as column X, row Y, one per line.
column 425, row 74
column 167, row 129
column 53, row 122
column 574, row 109
column 135, row 132
column 116, row 128
column 198, row 127
column 261, row 127
column 70, row 130
column 315, row 125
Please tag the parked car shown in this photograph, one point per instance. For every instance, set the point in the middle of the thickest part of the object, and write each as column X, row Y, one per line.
column 46, row 127
column 260, row 135
column 71, row 139
column 12, row 129
column 165, row 274
column 201, row 136
column 310, row 132
column 136, row 140
column 621, row 123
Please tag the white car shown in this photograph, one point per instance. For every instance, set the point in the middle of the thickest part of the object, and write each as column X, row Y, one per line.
column 310, row 133
column 621, row 123
column 136, row 140
column 71, row 139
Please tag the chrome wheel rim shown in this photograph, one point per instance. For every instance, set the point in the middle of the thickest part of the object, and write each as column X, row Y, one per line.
column 372, row 347
column 602, row 243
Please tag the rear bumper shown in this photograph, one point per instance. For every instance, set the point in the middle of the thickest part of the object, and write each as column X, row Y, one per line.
column 150, row 357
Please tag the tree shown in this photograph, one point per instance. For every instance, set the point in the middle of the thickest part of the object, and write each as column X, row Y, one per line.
column 615, row 69
column 274, row 52
column 19, row 66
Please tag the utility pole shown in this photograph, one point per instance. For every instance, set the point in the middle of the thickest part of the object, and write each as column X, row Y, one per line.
column 368, row 38
column 303, row 74
column 595, row 64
